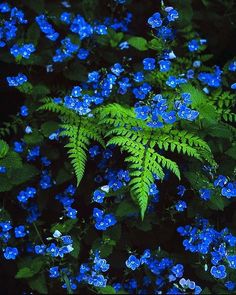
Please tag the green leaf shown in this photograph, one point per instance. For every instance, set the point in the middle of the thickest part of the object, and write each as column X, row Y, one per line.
column 33, row 138
column 64, row 227
column 4, row 147
column 37, row 6
column 138, row 43
column 39, row 284
column 11, row 160
column 24, row 272
column 76, row 72
column 155, row 44
column 217, row 202
column 25, row 88
column 23, row 174
column 40, row 90
column 231, row 152
column 76, row 246
column 63, row 176
column 219, row 130
column 5, row 184
column 49, row 127
column 106, row 290
column 125, row 208
column 33, row 33
column 185, row 7
column 114, row 37
column 106, row 250
column 208, row 112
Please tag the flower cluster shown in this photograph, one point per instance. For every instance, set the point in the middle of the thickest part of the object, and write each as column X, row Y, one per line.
column 215, row 247
column 23, row 51
column 167, row 275
column 12, row 18
column 66, row 200
column 17, row 80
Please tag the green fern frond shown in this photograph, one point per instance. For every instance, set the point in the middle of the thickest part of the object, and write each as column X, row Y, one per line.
column 143, row 145
column 11, row 126
column 80, row 136
column 81, row 131
column 66, row 114
column 225, row 103
column 4, row 148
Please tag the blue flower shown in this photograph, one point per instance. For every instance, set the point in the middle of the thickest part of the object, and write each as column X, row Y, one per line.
column 53, row 250
column 54, row 272
column 17, row 80
column 71, row 213
column 186, row 98
column 76, row 91
column 117, row 69
column 164, row 65
column 10, row 253
column 28, row 193
column 232, row 261
column 46, row 28
column 24, row 112
column 233, row 86
column 149, row 64
column 93, row 77
column 20, row 231
column 193, row 45
column 221, row 181
column 187, row 284
column 155, row 20
column 153, row 189
column 172, row 14
column 180, row 206
column 219, row 272
column 181, row 190
column 66, row 240
column 18, row 147
column 205, row 194
column 165, row 33
column 3, row 170
column 232, row 66
column 24, row 51
column 230, row 285
column 132, row 262
column 65, row 17
column 83, row 54
column 138, row 77
column 142, row 112
column 169, row 117
column 40, row 249
column 98, row 196
column 229, row 190
column 6, row 225
column 101, row 30
column 4, row 7
column 124, row 45
column 178, row 270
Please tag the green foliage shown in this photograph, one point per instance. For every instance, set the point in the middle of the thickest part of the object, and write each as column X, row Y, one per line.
column 4, row 147
column 138, row 43
column 143, row 146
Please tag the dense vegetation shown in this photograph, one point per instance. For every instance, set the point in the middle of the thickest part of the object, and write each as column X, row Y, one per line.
column 117, row 147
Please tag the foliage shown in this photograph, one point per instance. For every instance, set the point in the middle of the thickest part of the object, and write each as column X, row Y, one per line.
column 124, row 143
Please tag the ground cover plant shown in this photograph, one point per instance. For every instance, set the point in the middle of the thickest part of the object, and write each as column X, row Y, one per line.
column 117, row 147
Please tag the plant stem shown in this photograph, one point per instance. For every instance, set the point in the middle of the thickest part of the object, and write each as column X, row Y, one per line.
column 38, row 233
column 68, row 287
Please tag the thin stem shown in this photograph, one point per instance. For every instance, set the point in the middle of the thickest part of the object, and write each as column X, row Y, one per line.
column 68, row 287
column 38, row 233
